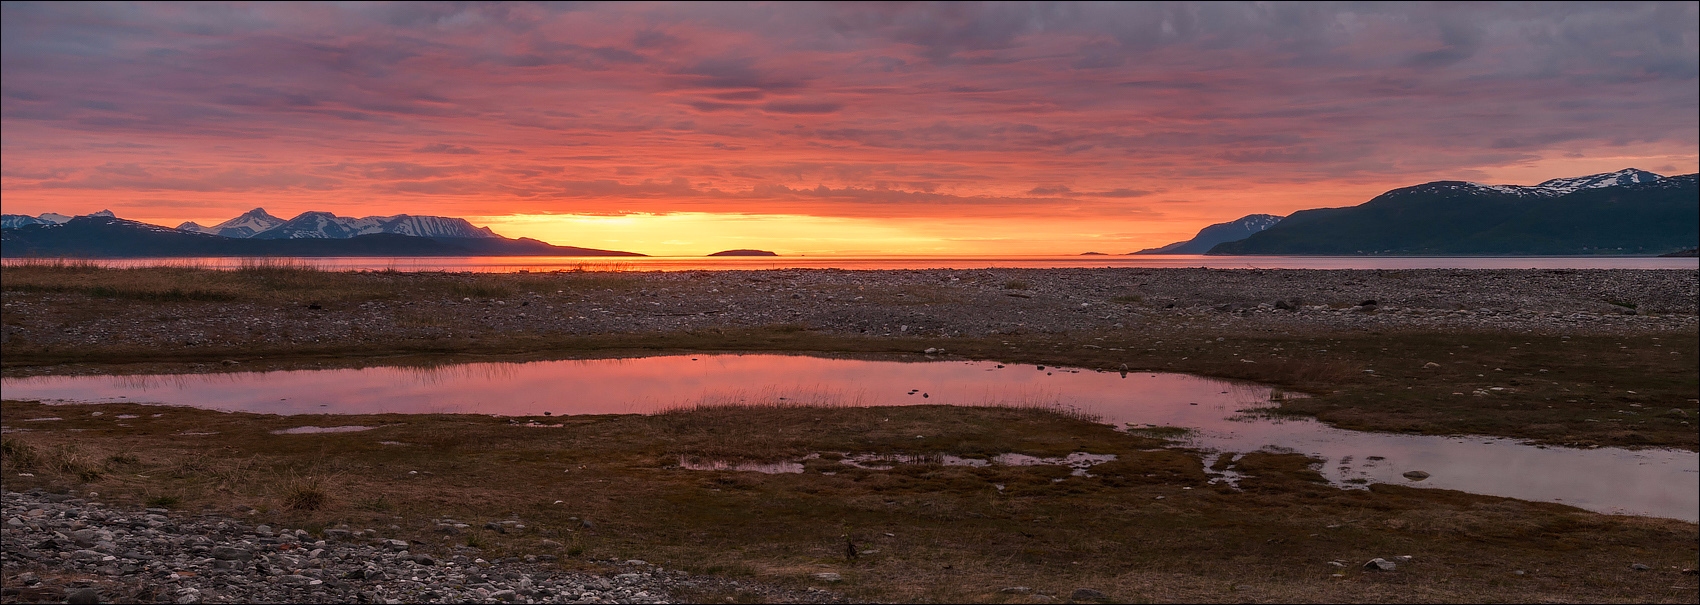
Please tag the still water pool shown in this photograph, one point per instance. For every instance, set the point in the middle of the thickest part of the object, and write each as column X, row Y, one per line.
column 1223, row 416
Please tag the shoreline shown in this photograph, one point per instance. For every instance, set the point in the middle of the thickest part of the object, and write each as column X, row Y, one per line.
column 1299, row 330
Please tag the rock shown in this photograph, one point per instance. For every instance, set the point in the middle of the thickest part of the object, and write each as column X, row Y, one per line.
column 931, row 350
column 828, row 577
column 82, row 596
column 1380, row 564
column 1416, row 475
column 230, row 553
column 1639, row 567
column 396, row 545
column 1431, row 365
column 1088, row 594
column 1016, row 590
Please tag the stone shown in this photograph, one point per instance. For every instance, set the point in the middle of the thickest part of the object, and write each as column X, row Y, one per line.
column 1431, row 365
column 230, row 553
column 1380, row 564
column 1088, row 594
column 1639, row 567
column 1016, row 590
column 1416, row 475
column 82, row 596
column 828, row 577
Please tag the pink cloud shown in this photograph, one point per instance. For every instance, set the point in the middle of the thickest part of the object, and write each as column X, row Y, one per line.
column 1011, row 110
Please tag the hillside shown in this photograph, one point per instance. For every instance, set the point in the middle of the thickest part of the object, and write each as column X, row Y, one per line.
column 1638, row 216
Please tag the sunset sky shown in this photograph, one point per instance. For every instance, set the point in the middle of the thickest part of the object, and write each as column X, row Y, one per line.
column 823, row 129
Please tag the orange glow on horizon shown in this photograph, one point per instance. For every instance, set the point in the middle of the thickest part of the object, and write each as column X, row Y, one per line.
column 825, row 129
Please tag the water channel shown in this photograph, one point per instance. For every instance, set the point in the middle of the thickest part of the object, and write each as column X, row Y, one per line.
column 1223, row 416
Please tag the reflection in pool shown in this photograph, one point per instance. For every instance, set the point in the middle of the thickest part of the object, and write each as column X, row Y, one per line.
column 1663, row 483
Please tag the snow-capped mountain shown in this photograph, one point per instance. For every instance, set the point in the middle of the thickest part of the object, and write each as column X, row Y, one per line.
column 1627, row 176
column 324, row 225
column 1561, row 186
column 250, row 223
column 14, row 221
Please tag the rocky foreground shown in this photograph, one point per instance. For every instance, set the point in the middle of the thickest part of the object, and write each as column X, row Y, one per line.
column 61, row 548
column 948, row 303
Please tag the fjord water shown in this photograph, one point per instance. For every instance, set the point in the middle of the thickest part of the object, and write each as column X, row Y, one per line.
column 1224, row 416
column 512, row 264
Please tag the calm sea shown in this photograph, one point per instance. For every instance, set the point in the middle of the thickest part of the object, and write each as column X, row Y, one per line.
column 510, row 264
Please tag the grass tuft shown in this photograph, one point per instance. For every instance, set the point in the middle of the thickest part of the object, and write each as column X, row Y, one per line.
column 19, row 454
column 305, row 493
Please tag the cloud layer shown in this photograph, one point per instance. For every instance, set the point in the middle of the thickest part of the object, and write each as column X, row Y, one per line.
column 1160, row 117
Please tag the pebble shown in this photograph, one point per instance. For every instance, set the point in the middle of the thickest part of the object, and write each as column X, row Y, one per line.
column 1088, row 594
column 1380, row 564
column 155, row 556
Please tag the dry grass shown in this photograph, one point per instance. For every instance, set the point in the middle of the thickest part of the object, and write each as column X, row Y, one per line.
column 926, row 532
column 304, row 492
column 293, row 282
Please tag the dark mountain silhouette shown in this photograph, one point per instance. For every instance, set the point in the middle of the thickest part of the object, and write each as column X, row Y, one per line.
column 1219, row 233
column 111, row 237
column 744, row 253
column 1627, row 212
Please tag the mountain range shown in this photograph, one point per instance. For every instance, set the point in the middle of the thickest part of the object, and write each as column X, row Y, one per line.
column 1625, row 212
column 259, row 224
column 256, row 233
column 1629, row 211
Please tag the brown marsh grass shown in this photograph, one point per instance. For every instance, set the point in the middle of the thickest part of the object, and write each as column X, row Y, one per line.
column 926, row 532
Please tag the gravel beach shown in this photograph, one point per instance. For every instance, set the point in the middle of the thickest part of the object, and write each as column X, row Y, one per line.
column 64, row 548
column 932, row 303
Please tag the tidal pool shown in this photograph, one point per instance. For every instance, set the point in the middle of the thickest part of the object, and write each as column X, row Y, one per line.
column 1222, row 416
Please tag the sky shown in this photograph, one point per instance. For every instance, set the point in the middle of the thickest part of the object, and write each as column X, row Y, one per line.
column 822, row 129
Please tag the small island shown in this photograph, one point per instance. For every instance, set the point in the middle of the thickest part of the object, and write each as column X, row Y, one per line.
column 744, row 253
column 1093, row 254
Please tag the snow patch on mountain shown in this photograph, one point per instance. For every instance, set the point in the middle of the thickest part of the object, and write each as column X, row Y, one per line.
column 1627, row 176
column 249, row 224
column 1560, row 186
column 15, row 221
column 325, row 225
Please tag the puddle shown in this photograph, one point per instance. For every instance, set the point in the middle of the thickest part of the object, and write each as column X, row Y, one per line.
column 1221, row 416
column 306, row 430
column 1078, row 462
column 770, row 468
